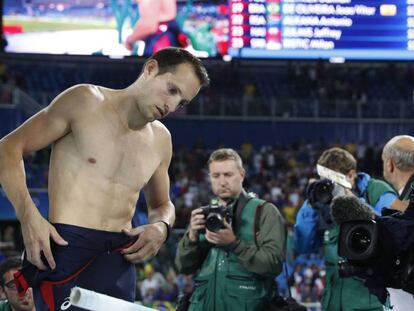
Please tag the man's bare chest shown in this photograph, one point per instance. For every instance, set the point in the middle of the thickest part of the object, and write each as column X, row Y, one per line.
column 128, row 159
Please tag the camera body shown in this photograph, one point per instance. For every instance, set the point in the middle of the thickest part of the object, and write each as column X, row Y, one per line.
column 380, row 251
column 323, row 191
column 214, row 215
column 320, row 195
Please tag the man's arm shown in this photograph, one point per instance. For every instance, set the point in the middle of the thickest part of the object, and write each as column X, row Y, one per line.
column 308, row 238
column 399, row 205
column 267, row 256
column 151, row 13
column 190, row 254
column 381, row 195
column 147, row 24
column 387, row 200
column 39, row 131
column 160, row 210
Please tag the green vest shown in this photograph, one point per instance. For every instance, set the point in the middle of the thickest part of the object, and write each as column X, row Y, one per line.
column 223, row 284
column 375, row 189
column 343, row 294
column 4, row 305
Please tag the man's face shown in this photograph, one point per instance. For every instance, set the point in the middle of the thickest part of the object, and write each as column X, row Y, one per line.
column 17, row 303
column 351, row 176
column 226, row 179
column 165, row 93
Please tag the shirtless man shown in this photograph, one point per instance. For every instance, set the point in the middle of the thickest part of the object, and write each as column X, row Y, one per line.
column 107, row 146
column 157, row 26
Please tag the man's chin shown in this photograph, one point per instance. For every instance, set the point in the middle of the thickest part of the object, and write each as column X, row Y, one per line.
column 25, row 305
column 225, row 196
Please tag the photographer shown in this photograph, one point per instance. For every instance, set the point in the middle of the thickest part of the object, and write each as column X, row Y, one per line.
column 340, row 293
column 234, row 266
column 398, row 170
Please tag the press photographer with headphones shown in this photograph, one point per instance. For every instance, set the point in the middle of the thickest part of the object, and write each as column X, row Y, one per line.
column 234, row 264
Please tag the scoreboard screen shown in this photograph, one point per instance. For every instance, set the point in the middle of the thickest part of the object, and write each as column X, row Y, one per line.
column 311, row 29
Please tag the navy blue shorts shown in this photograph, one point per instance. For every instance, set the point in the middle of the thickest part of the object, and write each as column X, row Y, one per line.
column 92, row 260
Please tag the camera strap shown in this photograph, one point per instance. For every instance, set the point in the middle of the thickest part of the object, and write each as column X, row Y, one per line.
column 243, row 200
column 257, row 216
column 238, row 207
column 407, row 189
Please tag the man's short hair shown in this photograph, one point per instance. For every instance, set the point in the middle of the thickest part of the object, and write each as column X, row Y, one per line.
column 168, row 59
column 8, row 264
column 225, row 154
column 338, row 159
column 402, row 158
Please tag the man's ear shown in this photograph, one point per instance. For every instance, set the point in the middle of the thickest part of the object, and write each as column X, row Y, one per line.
column 391, row 165
column 151, row 67
column 2, row 292
column 243, row 173
column 351, row 174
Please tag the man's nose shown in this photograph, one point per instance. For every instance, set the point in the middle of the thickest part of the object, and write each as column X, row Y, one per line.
column 222, row 180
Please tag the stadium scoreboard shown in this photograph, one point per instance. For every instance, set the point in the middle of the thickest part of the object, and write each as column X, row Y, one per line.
column 369, row 29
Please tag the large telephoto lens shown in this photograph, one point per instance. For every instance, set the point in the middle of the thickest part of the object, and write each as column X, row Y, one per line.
column 359, row 240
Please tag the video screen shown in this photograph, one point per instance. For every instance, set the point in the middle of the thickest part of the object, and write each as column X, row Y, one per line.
column 363, row 29
column 115, row 27
column 274, row 29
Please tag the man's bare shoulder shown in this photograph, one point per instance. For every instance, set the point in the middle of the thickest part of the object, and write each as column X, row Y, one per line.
column 82, row 94
column 78, row 98
column 161, row 130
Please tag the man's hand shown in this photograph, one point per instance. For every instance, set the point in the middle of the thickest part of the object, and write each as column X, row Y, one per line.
column 150, row 239
column 399, row 205
column 348, row 191
column 129, row 42
column 223, row 236
column 37, row 233
column 197, row 222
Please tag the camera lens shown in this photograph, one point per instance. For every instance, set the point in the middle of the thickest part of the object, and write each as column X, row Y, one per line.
column 323, row 191
column 214, row 222
column 359, row 240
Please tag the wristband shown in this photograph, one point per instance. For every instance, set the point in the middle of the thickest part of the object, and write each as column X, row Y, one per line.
column 168, row 229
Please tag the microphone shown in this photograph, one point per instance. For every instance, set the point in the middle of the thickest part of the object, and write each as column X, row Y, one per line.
column 348, row 207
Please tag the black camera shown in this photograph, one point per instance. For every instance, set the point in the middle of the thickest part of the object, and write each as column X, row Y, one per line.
column 320, row 195
column 214, row 215
column 359, row 239
column 321, row 192
column 380, row 251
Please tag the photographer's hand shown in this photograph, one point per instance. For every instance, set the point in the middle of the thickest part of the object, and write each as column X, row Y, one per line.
column 399, row 205
column 197, row 222
column 349, row 191
column 223, row 236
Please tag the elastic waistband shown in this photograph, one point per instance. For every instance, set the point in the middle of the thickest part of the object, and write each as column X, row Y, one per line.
column 92, row 238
